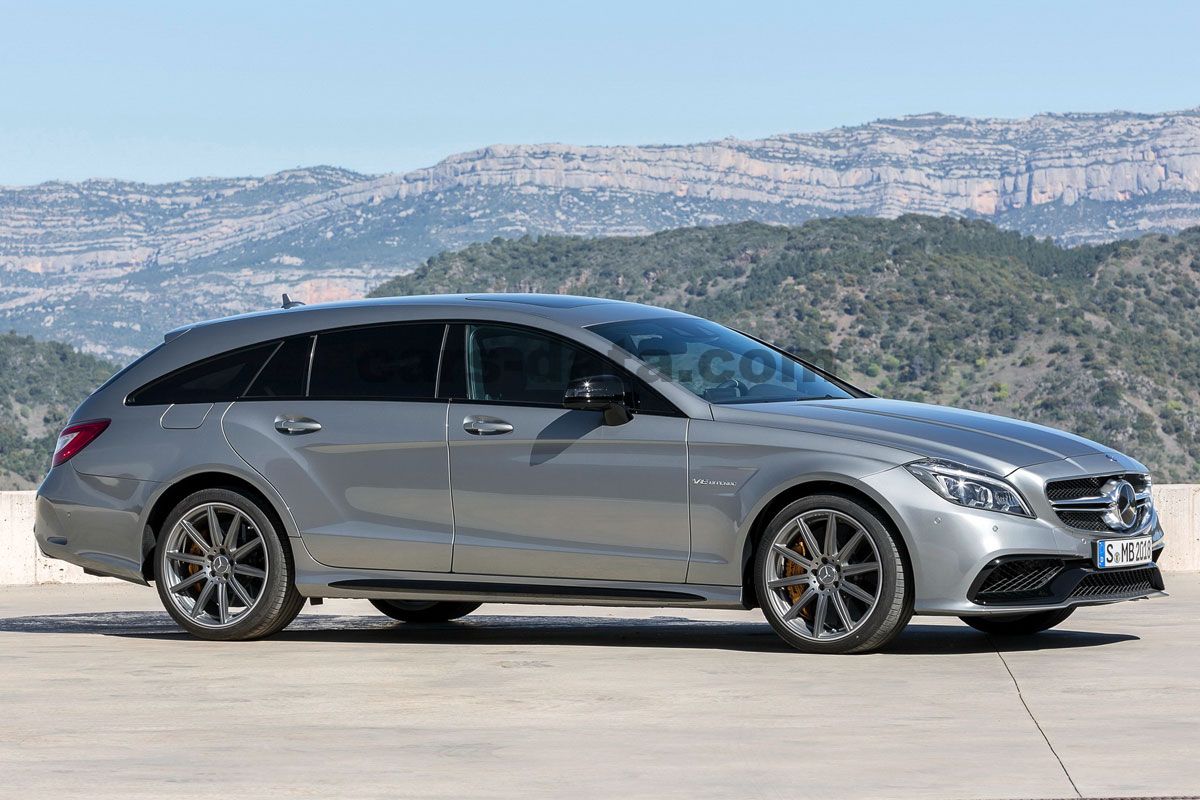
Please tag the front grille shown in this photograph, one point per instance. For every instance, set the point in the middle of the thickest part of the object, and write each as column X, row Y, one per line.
column 1116, row 584
column 1012, row 581
column 1080, row 502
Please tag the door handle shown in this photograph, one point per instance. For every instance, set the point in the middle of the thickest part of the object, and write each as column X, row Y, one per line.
column 486, row 426
column 295, row 426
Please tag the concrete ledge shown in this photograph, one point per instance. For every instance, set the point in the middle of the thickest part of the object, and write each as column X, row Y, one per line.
column 21, row 564
column 1178, row 507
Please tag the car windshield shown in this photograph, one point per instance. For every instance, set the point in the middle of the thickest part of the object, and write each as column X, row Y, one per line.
column 718, row 364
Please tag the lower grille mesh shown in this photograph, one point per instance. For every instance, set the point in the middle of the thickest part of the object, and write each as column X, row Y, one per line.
column 1116, row 584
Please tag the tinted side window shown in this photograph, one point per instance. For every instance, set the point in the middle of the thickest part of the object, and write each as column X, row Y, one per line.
column 511, row 365
column 213, row 380
column 286, row 374
column 398, row 362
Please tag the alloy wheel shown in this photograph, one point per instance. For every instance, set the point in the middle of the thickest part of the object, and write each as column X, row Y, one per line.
column 215, row 565
column 823, row 575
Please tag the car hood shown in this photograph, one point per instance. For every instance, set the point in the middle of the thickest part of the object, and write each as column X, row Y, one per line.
column 997, row 444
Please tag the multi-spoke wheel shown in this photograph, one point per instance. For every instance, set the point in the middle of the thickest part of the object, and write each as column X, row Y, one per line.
column 425, row 611
column 222, row 570
column 830, row 578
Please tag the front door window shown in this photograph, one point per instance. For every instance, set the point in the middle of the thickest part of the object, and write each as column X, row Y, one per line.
column 508, row 365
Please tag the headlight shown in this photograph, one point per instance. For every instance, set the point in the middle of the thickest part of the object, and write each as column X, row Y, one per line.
column 969, row 487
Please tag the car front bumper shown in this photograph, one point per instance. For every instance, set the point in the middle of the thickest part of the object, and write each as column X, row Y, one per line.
column 952, row 549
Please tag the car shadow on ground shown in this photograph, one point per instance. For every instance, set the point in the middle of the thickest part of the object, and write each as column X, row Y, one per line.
column 488, row 629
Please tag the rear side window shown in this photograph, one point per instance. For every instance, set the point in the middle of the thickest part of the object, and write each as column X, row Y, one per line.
column 396, row 362
column 286, row 374
column 214, row 380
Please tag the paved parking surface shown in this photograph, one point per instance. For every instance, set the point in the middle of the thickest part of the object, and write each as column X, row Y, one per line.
column 102, row 696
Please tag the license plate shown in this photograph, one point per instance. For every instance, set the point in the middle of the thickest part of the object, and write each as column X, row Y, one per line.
column 1124, row 552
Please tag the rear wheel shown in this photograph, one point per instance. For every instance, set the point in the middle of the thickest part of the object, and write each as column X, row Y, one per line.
column 424, row 610
column 1018, row 624
column 830, row 577
column 222, row 570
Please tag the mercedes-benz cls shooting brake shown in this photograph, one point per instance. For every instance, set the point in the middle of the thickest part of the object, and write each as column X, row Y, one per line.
column 430, row 454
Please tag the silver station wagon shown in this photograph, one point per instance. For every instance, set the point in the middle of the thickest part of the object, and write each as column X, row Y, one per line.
column 430, row 454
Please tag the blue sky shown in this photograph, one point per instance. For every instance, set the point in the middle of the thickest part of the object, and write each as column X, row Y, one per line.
column 162, row 90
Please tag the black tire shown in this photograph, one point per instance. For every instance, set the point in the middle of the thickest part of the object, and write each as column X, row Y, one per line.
column 1018, row 624
column 278, row 602
column 424, row 611
column 878, row 624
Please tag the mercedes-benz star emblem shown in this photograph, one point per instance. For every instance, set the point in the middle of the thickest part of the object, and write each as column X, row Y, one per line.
column 1122, row 511
column 222, row 567
column 827, row 574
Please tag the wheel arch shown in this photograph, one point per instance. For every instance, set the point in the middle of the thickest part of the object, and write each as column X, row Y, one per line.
column 787, row 495
column 172, row 492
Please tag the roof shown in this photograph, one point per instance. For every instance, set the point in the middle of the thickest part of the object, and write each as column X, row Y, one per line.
column 563, row 308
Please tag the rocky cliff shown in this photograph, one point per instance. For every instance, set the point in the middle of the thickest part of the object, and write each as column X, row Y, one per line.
column 109, row 264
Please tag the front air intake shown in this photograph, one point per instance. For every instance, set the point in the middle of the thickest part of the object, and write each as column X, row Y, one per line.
column 1015, row 581
column 1117, row 584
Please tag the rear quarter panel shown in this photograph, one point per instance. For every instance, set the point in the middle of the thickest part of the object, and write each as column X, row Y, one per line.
column 136, row 447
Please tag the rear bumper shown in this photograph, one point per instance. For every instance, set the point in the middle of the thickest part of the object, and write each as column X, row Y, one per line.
column 93, row 522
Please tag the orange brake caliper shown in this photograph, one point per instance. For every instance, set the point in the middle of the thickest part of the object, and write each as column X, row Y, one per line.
column 792, row 568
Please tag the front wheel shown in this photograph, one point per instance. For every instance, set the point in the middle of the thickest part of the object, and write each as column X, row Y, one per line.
column 222, row 570
column 424, row 611
column 1018, row 624
column 830, row 577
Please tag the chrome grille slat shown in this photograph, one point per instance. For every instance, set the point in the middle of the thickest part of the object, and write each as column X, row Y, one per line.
column 1080, row 501
column 1084, row 502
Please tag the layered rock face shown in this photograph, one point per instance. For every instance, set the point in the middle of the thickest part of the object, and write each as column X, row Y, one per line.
column 72, row 255
column 930, row 164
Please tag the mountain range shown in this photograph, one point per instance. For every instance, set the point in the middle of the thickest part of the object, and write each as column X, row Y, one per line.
column 108, row 265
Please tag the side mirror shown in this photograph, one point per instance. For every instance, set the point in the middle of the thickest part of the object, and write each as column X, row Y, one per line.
column 604, row 393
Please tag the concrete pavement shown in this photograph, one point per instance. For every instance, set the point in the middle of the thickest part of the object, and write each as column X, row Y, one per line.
column 102, row 695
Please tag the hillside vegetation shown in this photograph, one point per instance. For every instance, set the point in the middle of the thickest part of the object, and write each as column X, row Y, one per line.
column 40, row 384
column 1101, row 340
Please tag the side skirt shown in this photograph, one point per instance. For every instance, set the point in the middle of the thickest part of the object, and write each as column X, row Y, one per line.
column 487, row 589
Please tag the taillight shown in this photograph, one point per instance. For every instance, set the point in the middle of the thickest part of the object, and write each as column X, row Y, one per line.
column 76, row 437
